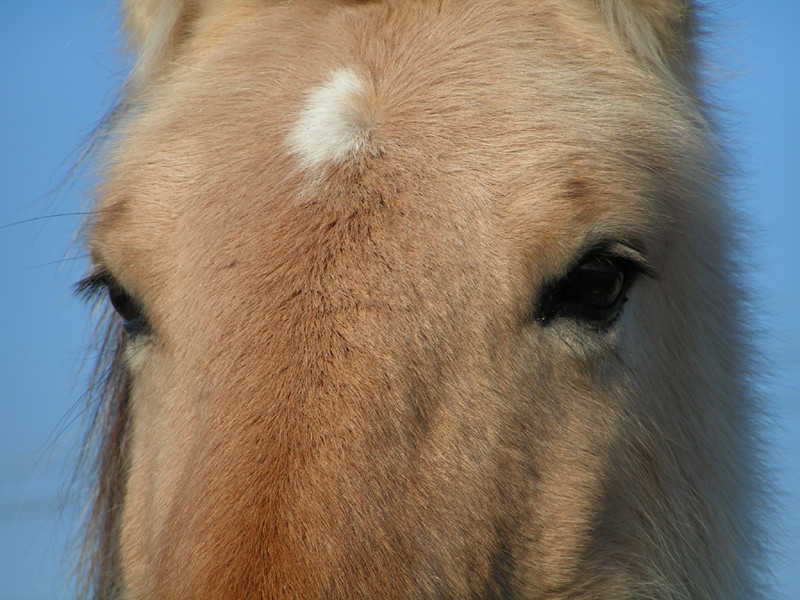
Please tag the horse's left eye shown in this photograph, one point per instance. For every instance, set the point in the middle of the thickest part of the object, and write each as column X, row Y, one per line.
column 595, row 286
column 593, row 292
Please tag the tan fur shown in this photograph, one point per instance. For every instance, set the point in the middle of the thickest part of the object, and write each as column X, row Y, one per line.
column 343, row 395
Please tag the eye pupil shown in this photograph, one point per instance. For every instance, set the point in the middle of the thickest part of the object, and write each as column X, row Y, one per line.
column 596, row 284
column 122, row 302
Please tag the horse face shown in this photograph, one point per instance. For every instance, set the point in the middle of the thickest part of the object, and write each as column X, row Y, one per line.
column 387, row 275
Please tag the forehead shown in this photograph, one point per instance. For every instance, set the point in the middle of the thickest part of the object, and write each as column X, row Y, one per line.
column 501, row 108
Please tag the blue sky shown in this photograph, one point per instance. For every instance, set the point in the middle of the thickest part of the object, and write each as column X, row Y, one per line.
column 60, row 68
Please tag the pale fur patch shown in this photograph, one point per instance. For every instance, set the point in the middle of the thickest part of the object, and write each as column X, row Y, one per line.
column 136, row 350
column 333, row 125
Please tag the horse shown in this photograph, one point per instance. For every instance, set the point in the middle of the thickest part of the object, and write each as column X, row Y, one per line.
column 419, row 299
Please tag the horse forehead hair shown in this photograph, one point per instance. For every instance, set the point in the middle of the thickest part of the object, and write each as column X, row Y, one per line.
column 334, row 122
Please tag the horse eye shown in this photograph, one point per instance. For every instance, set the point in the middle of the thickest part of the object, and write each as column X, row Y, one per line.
column 592, row 292
column 133, row 319
column 595, row 285
column 127, row 308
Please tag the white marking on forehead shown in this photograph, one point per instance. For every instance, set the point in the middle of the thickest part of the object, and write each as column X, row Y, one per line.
column 332, row 125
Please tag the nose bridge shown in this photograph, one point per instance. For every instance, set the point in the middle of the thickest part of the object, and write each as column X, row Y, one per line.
column 345, row 391
column 367, row 448
column 322, row 442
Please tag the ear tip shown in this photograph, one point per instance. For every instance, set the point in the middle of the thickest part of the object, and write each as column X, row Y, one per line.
column 658, row 32
column 140, row 19
column 152, row 26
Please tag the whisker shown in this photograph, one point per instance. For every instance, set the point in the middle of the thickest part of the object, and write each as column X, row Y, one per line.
column 57, row 262
column 53, row 216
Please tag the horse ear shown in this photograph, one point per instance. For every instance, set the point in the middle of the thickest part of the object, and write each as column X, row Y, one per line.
column 156, row 29
column 661, row 33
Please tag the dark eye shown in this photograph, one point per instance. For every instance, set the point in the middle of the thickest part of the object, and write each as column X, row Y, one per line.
column 127, row 308
column 593, row 292
column 595, row 286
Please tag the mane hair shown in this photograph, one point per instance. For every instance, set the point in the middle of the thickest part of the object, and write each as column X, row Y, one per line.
column 103, row 464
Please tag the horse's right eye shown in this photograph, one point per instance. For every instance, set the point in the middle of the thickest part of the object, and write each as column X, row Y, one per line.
column 122, row 302
column 127, row 308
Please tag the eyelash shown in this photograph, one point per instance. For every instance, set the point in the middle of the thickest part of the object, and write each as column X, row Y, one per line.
column 128, row 308
column 90, row 288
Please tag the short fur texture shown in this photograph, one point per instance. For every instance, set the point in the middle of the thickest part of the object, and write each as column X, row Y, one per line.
column 341, row 393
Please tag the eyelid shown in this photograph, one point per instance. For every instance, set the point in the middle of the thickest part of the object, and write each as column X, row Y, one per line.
column 99, row 281
column 628, row 252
